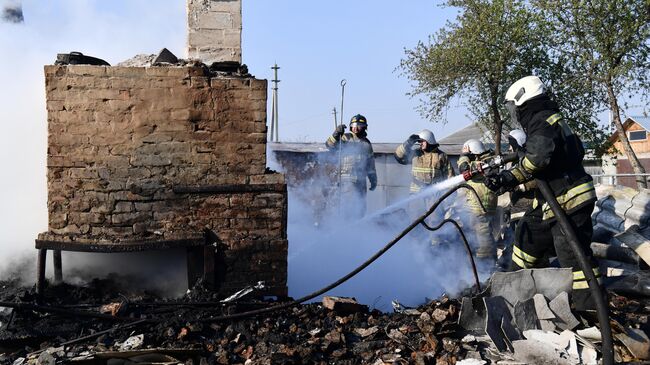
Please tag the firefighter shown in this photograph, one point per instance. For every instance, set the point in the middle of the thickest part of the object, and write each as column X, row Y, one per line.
column 357, row 163
column 429, row 165
column 553, row 153
column 473, row 153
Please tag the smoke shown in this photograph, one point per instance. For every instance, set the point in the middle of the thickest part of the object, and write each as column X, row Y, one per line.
column 111, row 30
column 324, row 246
column 13, row 13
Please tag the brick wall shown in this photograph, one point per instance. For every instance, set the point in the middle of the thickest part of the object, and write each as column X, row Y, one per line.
column 214, row 30
column 120, row 139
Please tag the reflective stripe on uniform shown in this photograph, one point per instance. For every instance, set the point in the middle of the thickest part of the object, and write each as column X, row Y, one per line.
column 573, row 198
column 414, row 188
column 529, row 165
column 518, row 175
column 553, row 118
column 584, row 284
column 422, row 169
column 580, row 275
column 331, row 140
column 580, row 281
column 557, row 117
column 522, row 259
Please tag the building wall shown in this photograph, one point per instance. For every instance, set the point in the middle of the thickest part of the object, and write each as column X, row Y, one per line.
column 121, row 138
column 623, row 166
column 637, row 146
column 214, row 30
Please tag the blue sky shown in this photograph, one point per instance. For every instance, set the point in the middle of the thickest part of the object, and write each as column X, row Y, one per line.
column 318, row 43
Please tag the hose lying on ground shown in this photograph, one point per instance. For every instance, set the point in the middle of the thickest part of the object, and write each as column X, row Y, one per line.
column 462, row 236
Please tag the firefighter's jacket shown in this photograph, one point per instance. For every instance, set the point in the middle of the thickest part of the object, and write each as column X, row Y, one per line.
column 427, row 168
column 357, row 158
column 488, row 198
column 553, row 153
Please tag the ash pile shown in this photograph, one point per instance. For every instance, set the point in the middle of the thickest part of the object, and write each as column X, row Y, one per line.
column 96, row 324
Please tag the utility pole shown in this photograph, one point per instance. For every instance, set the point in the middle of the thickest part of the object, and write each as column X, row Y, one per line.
column 274, row 108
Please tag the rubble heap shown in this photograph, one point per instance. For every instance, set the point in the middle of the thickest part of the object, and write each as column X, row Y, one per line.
column 302, row 334
column 187, row 331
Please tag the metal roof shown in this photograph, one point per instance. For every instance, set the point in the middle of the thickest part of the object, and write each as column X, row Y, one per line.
column 452, row 144
column 315, row 147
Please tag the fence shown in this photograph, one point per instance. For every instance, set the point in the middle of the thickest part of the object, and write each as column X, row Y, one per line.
column 616, row 179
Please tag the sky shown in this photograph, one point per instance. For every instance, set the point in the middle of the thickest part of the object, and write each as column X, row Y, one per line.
column 316, row 44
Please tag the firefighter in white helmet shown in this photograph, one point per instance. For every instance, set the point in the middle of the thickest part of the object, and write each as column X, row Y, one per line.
column 553, row 153
column 473, row 154
column 429, row 165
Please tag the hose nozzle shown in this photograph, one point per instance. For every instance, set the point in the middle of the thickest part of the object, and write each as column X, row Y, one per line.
column 489, row 165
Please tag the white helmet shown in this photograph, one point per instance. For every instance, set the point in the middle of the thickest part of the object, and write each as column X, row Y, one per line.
column 519, row 136
column 474, row 146
column 525, row 89
column 428, row 136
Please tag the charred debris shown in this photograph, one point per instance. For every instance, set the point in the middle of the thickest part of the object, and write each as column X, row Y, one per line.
column 101, row 323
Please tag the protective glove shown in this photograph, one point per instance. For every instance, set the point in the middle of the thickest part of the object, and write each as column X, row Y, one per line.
column 338, row 132
column 373, row 185
column 515, row 195
column 463, row 167
column 502, row 182
column 413, row 139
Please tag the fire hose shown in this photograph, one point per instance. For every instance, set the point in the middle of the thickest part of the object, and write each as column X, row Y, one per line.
column 597, row 293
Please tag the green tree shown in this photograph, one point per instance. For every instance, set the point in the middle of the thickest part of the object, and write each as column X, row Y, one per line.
column 604, row 47
column 475, row 58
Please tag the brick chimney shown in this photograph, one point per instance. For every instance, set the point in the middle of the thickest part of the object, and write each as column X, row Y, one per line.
column 214, row 30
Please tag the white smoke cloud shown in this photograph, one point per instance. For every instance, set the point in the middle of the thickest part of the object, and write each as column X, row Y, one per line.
column 324, row 246
column 114, row 31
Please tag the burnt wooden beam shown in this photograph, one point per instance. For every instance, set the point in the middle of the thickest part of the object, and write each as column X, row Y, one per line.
column 194, row 265
column 58, row 266
column 230, row 189
column 125, row 246
column 40, row 279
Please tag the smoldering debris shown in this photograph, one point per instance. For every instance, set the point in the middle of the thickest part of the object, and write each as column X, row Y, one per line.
column 183, row 330
column 100, row 324
column 13, row 13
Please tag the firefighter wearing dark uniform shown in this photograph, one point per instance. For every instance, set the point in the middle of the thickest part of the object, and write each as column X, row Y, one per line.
column 553, row 153
column 429, row 165
column 357, row 163
column 473, row 154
